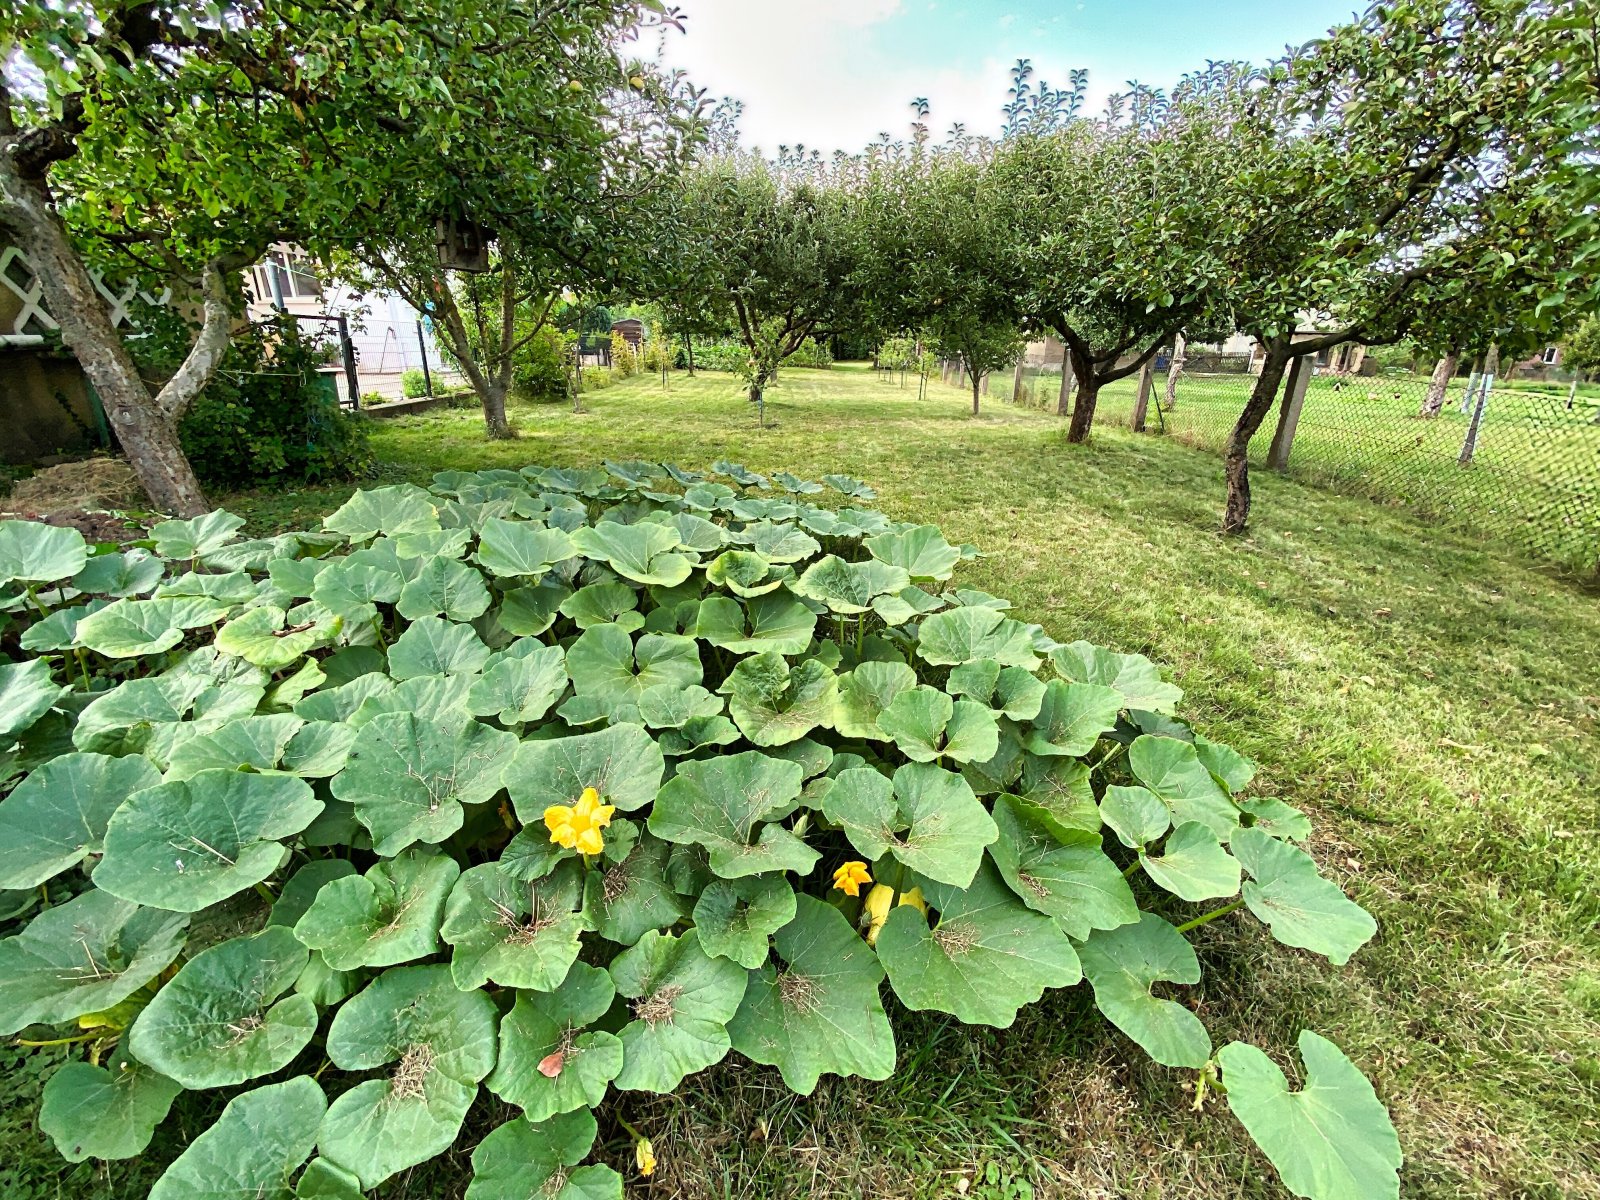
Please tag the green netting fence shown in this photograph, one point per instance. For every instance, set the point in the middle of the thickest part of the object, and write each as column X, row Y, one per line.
column 1530, row 477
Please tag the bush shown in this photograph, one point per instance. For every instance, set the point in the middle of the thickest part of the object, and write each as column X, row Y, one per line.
column 624, row 359
column 267, row 415
column 595, row 378
column 811, row 353
column 725, row 354
column 507, row 813
column 543, row 368
column 413, row 383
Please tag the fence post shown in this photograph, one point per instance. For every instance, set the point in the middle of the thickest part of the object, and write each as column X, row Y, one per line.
column 1141, row 406
column 1469, row 446
column 347, row 351
column 1294, row 398
column 427, row 375
column 1016, row 381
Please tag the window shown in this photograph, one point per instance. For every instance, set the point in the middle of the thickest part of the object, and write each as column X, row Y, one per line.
column 1551, row 353
column 294, row 277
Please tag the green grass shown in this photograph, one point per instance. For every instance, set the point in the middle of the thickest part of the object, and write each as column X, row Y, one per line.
column 1430, row 702
column 1534, row 481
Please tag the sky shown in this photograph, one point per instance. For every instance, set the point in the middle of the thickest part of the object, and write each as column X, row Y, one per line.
column 832, row 74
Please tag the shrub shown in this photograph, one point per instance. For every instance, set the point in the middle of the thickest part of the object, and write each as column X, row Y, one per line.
column 413, row 383
column 511, row 812
column 595, row 378
column 543, row 368
column 811, row 353
column 267, row 415
column 624, row 359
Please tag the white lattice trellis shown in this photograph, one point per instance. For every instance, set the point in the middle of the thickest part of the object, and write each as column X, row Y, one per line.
column 33, row 316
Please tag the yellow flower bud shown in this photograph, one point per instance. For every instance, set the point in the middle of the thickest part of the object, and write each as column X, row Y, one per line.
column 875, row 911
column 644, row 1156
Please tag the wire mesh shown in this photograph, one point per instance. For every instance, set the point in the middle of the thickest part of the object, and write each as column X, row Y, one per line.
column 1530, row 478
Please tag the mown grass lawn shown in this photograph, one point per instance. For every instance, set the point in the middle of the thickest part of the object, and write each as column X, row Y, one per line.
column 1431, row 702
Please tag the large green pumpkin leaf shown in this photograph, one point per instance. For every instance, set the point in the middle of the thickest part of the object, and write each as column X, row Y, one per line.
column 520, row 1160
column 444, row 587
column 547, row 1064
column 1013, row 692
column 513, row 548
column 927, row 725
column 820, row 1014
column 1332, row 1139
column 667, row 707
column 1193, row 865
column 105, row 1112
column 1072, row 716
column 1135, row 814
column 33, row 552
column 135, row 628
column 604, row 604
column 645, row 553
column 84, row 956
column 201, row 535
column 352, row 590
column 443, row 1041
column 736, row 917
column 632, row 897
column 731, row 806
column 682, row 1000
column 253, row 743
column 57, row 816
column 409, row 777
column 927, row 818
column 1300, row 906
column 622, row 763
column 774, row 703
column 389, row 915
column 520, row 687
column 920, row 550
column 522, row 935
column 778, row 623
column 986, row 957
column 745, row 573
column 1121, row 965
column 865, row 693
column 400, row 509
column 1171, row 769
column 321, row 1180
column 1060, row 788
column 216, row 1024
column 264, row 636
column 963, row 635
column 259, row 1141
column 189, row 843
column 778, row 543
column 434, row 646
column 848, row 588
column 605, row 663
column 123, row 719
column 1066, row 877
column 1133, row 675
column 117, row 575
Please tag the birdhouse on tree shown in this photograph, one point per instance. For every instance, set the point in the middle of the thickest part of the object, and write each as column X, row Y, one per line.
column 463, row 244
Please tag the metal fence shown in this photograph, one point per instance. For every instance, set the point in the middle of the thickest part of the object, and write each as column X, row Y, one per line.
column 1528, row 474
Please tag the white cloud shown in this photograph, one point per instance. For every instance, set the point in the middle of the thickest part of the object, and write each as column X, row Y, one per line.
column 809, row 72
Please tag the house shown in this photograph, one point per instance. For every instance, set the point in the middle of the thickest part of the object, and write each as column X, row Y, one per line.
column 387, row 335
column 632, row 330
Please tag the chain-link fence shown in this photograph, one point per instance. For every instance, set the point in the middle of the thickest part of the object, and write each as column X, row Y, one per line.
column 1526, row 471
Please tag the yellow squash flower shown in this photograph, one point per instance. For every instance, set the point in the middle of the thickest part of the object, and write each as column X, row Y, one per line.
column 578, row 826
column 915, row 900
column 875, row 911
column 644, row 1155
column 849, row 878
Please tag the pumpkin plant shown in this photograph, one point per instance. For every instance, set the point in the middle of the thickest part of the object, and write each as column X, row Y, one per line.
column 534, row 785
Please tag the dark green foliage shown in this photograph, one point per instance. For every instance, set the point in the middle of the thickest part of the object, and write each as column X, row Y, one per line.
column 267, row 414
